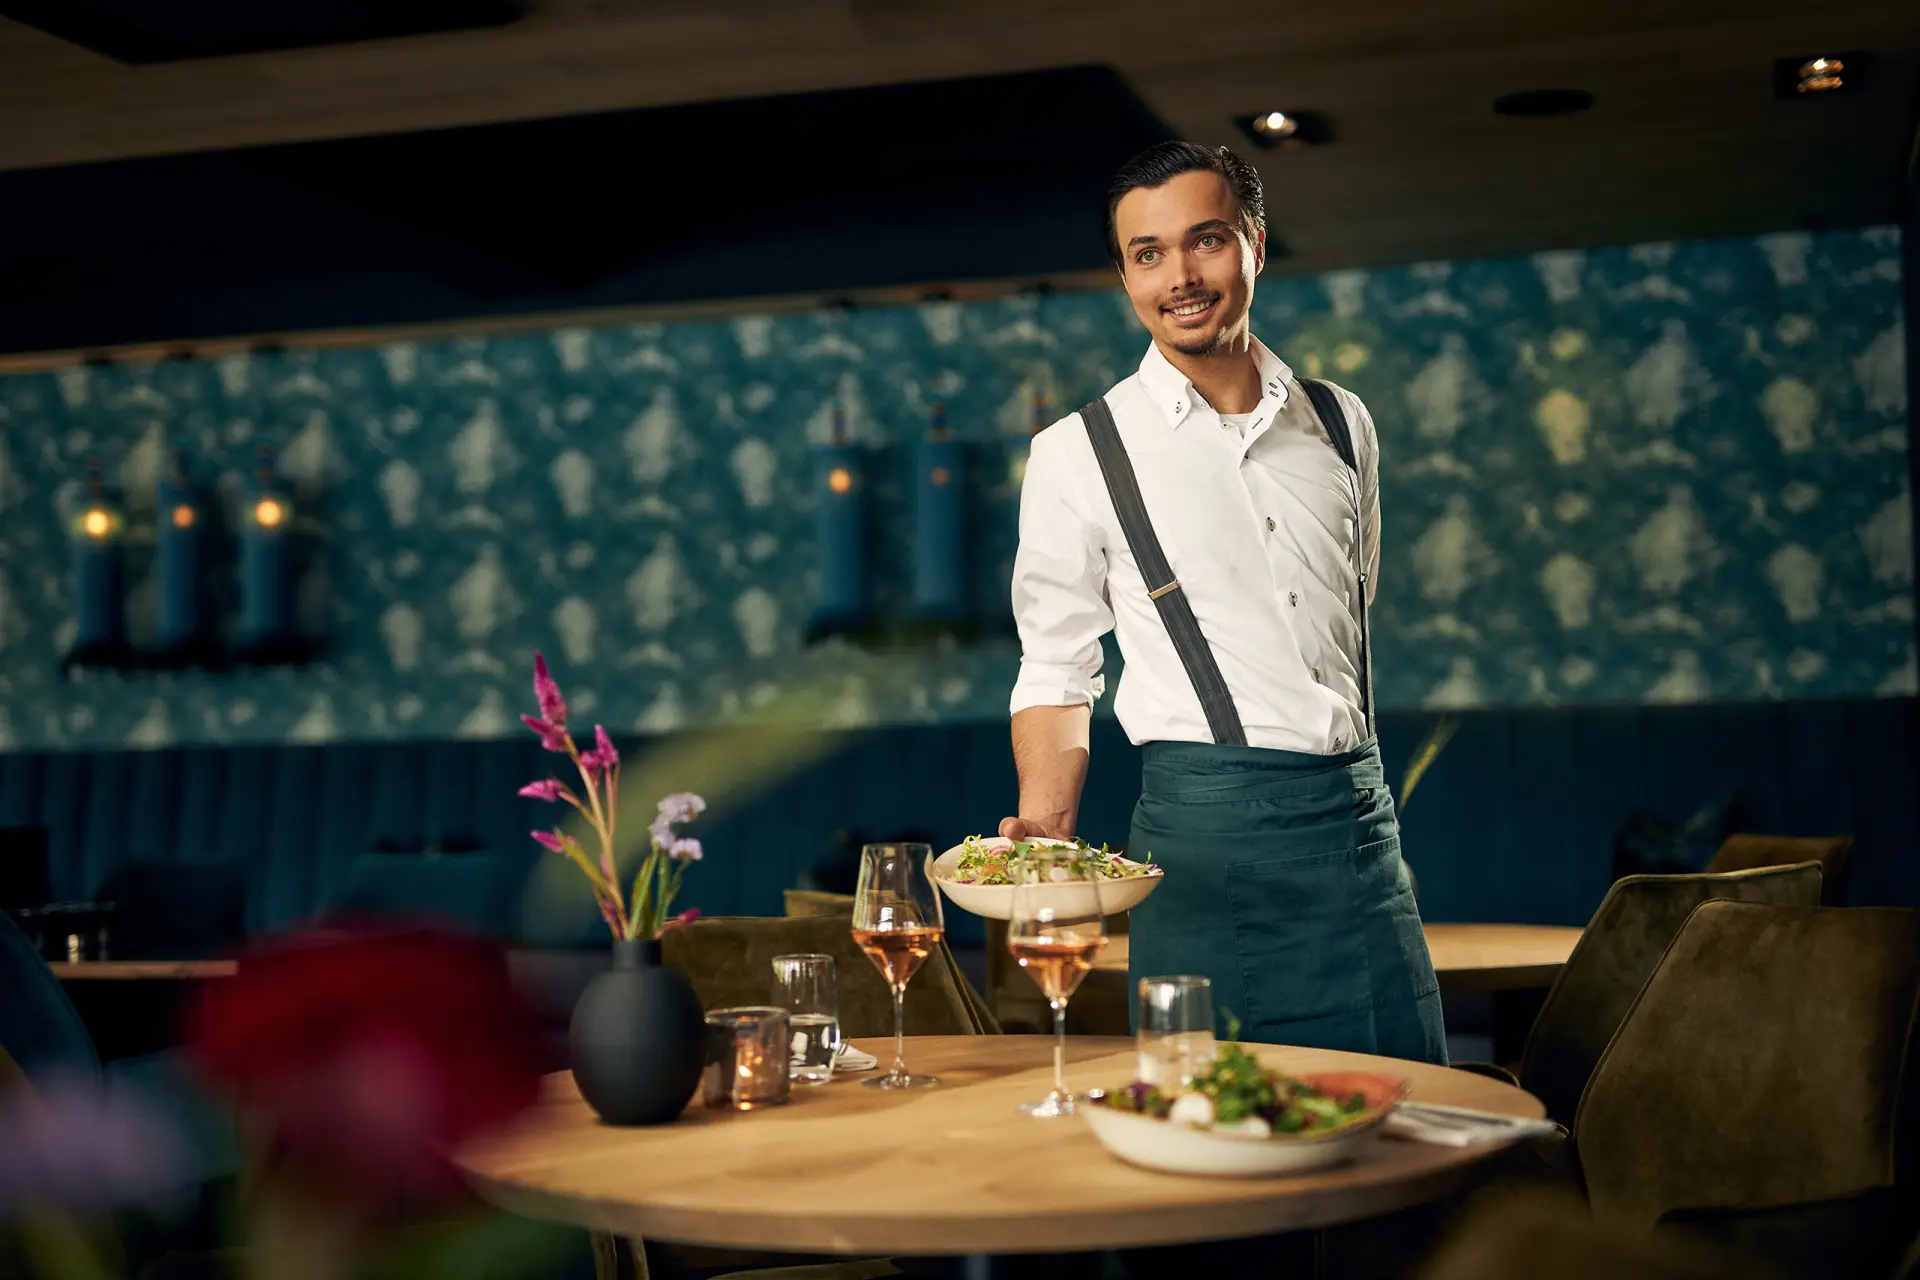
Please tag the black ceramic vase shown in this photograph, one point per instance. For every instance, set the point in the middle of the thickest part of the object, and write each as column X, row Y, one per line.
column 636, row 1038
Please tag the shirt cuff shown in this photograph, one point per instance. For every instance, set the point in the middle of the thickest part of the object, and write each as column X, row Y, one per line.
column 1052, row 685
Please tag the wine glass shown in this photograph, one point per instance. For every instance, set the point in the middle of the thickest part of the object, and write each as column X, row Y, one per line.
column 897, row 921
column 1056, row 930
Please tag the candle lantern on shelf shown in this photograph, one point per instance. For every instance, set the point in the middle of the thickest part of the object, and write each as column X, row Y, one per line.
column 180, row 560
column 267, row 631
column 939, row 548
column 96, row 538
column 840, row 534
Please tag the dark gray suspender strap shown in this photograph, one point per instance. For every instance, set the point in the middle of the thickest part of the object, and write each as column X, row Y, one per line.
column 1334, row 419
column 1168, row 598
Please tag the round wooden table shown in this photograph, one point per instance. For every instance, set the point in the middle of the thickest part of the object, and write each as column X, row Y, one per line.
column 1499, row 957
column 1466, row 957
column 950, row 1170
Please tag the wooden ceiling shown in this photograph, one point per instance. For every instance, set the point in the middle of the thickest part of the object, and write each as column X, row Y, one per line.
column 1687, row 137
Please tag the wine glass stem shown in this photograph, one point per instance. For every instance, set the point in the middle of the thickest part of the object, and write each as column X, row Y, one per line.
column 1060, row 1047
column 900, row 1032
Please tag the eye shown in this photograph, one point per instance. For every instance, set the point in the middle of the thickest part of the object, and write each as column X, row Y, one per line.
column 1147, row 256
column 1211, row 241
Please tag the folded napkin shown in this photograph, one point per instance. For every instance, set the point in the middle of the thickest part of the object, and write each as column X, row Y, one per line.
column 851, row 1059
column 1460, row 1126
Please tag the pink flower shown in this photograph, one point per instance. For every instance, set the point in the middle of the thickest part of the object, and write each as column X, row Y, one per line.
column 685, row 917
column 684, row 849
column 549, row 840
column 546, row 789
column 546, row 692
column 603, row 756
column 552, row 736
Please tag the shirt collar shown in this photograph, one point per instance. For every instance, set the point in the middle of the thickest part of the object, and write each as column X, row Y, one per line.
column 1168, row 388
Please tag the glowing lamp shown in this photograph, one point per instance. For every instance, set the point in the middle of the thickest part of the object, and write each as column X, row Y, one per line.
column 180, row 569
column 266, row 567
column 939, row 511
column 840, row 535
column 95, row 553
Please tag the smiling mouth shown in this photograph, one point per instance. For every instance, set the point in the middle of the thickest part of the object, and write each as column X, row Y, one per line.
column 1191, row 311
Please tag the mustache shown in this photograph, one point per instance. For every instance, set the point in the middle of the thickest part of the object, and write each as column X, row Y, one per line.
column 1187, row 300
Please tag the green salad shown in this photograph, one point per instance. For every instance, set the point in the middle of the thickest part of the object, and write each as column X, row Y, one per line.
column 989, row 859
column 1234, row 1093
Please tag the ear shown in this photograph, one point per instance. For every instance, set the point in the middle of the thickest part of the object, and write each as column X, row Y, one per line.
column 1259, row 251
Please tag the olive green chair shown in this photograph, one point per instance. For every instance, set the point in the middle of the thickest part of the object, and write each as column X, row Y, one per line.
column 730, row 962
column 1531, row 1235
column 1764, row 1089
column 1745, row 851
column 1614, row 958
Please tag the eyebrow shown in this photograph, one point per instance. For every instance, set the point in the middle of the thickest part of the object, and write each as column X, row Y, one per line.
column 1211, row 224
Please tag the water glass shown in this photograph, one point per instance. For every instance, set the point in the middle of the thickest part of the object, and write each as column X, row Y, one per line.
column 746, row 1059
column 1175, row 1036
column 803, row 985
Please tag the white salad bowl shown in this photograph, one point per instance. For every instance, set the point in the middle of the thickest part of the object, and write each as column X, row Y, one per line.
column 995, row 901
column 1177, row 1148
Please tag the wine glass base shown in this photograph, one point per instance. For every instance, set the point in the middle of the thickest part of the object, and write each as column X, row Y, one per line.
column 1054, row 1104
column 901, row 1082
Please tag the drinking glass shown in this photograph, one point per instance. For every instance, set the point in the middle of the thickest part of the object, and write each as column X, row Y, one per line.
column 1175, row 1035
column 897, row 921
column 1055, row 932
column 803, row 985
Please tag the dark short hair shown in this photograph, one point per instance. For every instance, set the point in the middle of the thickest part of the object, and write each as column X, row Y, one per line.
column 1164, row 161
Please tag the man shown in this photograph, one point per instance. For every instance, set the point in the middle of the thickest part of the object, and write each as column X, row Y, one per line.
column 1226, row 528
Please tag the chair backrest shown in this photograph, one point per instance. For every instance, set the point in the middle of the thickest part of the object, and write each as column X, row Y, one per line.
column 817, row 902
column 1744, row 851
column 1614, row 958
column 730, row 962
column 1762, row 1089
column 39, row 1027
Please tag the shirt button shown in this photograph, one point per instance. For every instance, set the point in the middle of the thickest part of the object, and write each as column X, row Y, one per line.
column 1316, row 675
column 1293, row 598
column 1269, row 524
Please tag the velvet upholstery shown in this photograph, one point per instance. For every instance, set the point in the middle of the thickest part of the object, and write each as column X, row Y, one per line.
column 1532, row 1235
column 1620, row 949
column 1762, row 1089
column 730, row 962
column 1743, row 851
column 40, row 1030
column 814, row 902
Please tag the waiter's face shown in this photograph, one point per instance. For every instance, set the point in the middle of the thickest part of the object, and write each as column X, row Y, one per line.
column 1188, row 262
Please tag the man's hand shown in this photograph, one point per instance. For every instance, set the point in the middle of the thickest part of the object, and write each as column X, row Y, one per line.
column 1031, row 829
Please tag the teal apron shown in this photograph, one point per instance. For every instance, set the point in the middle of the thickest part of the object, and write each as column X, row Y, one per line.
column 1284, row 886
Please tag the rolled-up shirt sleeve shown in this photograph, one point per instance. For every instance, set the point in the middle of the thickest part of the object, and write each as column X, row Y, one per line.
column 1059, row 584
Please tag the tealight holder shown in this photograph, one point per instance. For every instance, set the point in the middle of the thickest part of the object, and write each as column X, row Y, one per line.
column 747, row 1059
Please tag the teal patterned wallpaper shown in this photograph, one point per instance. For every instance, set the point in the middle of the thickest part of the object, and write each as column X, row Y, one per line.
column 1666, row 473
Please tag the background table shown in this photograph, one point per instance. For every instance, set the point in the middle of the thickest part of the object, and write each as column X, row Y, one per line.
column 950, row 1170
column 143, row 970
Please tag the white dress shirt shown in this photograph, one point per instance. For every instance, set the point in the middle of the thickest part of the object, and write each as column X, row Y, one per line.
column 1259, row 528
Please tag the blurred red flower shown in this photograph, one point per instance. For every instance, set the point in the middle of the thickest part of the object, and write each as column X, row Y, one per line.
column 369, row 1054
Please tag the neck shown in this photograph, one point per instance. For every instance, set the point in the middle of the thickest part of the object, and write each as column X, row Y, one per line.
column 1228, row 377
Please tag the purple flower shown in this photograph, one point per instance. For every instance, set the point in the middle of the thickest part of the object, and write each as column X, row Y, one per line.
column 685, row 917
column 681, row 806
column 546, row 692
column 546, row 789
column 603, row 747
column 684, row 849
column 74, row 1145
column 549, row 840
column 552, row 736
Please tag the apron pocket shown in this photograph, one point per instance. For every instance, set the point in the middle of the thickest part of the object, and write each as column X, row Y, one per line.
column 1301, row 948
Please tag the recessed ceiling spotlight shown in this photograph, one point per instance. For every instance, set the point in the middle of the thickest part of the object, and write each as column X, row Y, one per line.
column 1284, row 130
column 1818, row 75
column 1540, row 103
